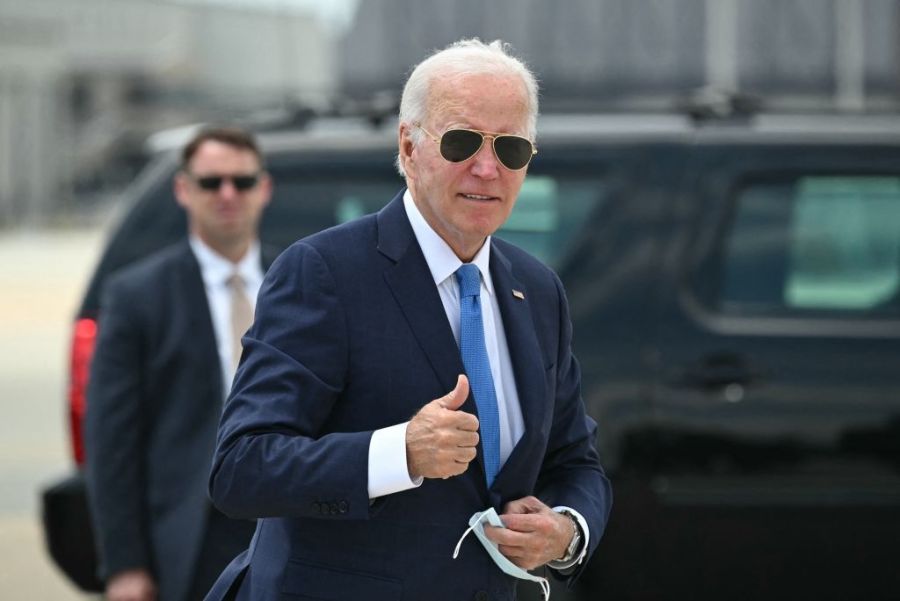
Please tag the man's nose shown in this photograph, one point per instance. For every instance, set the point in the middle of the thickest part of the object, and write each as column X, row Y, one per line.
column 485, row 164
column 227, row 189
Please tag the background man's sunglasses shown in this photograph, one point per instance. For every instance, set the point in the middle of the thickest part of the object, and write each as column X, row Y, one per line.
column 212, row 183
column 458, row 145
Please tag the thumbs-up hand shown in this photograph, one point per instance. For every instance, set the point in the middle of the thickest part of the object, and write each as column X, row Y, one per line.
column 440, row 440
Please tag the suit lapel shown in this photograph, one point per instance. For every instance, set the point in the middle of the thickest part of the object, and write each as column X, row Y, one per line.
column 191, row 292
column 524, row 350
column 412, row 285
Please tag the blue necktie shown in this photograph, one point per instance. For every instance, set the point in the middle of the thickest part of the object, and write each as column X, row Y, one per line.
column 478, row 368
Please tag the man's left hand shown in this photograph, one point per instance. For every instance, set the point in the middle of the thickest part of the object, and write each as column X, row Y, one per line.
column 534, row 533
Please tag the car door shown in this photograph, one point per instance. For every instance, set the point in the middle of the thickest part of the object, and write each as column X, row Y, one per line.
column 776, row 469
column 586, row 209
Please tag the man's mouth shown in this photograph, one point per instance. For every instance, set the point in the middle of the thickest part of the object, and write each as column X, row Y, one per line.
column 477, row 197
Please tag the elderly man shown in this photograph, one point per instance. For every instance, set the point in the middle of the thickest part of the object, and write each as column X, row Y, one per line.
column 170, row 329
column 409, row 377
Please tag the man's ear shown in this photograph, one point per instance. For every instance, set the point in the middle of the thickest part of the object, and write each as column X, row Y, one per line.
column 180, row 188
column 406, row 146
column 266, row 187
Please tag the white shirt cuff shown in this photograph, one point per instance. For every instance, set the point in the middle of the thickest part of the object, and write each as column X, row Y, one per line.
column 585, row 541
column 388, row 472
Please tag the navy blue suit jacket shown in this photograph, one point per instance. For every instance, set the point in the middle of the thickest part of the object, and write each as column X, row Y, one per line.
column 350, row 336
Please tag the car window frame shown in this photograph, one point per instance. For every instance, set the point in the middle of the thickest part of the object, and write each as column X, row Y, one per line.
column 715, row 195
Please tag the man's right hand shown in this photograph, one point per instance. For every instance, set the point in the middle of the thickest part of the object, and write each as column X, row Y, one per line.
column 131, row 585
column 441, row 441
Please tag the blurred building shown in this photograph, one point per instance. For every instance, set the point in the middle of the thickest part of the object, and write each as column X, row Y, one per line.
column 82, row 83
column 842, row 54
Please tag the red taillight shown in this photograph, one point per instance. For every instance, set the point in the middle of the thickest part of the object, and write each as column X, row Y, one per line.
column 83, row 339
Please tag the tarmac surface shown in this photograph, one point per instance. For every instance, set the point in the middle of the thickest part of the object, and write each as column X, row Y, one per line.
column 42, row 277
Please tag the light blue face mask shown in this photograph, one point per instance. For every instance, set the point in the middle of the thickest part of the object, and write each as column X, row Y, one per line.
column 476, row 525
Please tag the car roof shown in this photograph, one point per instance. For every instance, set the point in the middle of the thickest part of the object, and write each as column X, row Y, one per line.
column 363, row 133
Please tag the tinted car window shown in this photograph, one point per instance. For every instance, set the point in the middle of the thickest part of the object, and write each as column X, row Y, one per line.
column 549, row 213
column 815, row 243
column 302, row 207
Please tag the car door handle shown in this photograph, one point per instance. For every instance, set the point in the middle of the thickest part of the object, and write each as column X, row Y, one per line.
column 715, row 371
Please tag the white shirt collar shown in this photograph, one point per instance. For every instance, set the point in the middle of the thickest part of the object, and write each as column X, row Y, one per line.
column 442, row 261
column 216, row 269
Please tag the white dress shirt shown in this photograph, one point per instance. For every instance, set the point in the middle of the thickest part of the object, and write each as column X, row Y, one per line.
column 215, row 271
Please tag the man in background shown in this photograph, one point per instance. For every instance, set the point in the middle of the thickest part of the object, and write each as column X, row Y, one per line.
column 169, row 341
column 407, row 371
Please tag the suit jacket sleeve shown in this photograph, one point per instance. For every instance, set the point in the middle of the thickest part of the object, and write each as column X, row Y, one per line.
column 276, row 455
column 571, row 474
column 114, row 431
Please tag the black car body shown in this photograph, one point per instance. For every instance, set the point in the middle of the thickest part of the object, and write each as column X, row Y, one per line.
column 735, row 292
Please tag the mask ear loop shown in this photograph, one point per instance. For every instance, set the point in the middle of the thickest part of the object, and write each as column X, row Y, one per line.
column 545, row 588
column 459, row 544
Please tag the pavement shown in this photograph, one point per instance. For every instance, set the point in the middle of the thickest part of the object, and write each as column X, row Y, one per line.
column 42, row 277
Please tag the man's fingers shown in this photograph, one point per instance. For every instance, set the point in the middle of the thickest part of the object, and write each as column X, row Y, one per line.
column 465, row 455
column 456, row 397
column 505, row 536
column 521, row 548
column 466, row 421
column 511, row 553
column 466, row 438
column 523, row 522
column 526, row 505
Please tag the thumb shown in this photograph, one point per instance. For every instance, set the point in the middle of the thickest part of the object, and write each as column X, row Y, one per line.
column 455, row 399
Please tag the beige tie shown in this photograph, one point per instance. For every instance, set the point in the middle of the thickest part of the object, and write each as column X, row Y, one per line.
column 241, row 316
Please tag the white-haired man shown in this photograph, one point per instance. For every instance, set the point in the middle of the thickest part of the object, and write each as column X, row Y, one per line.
column 416, row 311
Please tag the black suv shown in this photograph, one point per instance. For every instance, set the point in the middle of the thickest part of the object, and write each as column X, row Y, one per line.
column 735, row 292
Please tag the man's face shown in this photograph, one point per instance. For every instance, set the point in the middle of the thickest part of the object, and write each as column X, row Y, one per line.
column 226, row 217
column 467, row 201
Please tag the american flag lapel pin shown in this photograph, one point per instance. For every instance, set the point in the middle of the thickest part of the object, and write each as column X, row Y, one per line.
column 518, row 294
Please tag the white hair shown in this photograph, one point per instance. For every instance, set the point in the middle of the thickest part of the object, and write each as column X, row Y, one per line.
column 465, row 57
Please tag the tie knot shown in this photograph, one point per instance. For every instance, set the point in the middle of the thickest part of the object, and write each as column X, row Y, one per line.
column 235, row 282
column 469, row 279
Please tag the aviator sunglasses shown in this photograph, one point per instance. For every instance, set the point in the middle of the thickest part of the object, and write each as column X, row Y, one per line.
column 212, row 183
column 458, row 145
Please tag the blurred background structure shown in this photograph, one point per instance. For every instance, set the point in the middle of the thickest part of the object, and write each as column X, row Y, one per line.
column 631, row 54
column 83, row 83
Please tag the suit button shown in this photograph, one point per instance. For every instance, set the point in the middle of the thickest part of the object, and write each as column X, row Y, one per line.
column 343, row 506
column 482, row 596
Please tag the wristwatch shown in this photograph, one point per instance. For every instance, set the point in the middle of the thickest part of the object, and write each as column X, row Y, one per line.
column 574, row 546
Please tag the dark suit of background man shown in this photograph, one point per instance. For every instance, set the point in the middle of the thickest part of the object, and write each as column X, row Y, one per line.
column 162, row 369
column 351, row 430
